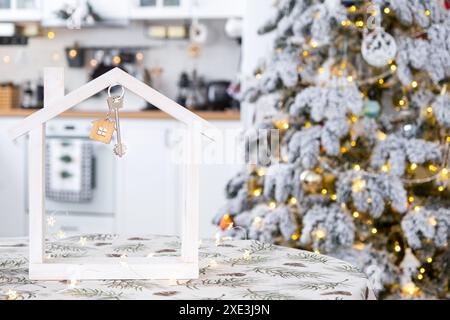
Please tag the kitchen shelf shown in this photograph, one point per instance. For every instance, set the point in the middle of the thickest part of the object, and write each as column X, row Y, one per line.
column 207, row 115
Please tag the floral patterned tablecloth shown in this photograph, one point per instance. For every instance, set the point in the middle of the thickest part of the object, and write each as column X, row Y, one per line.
column 231, row 269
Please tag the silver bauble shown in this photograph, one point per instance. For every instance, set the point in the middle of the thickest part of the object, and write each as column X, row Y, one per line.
column 311, row 181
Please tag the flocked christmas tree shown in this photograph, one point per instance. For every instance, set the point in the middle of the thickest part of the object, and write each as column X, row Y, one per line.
column 358, row 93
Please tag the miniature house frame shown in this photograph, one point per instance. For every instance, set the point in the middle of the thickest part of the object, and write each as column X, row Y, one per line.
column 55, row 102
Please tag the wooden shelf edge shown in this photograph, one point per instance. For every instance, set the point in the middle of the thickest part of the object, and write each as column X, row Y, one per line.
column 207, row 115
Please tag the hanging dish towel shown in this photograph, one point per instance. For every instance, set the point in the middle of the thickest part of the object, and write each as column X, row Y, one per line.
column 69, row 170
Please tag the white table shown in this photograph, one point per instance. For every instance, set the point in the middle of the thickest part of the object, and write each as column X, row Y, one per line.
column 232, row 269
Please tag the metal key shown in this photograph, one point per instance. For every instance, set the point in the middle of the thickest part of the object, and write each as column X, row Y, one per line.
column 115, row 103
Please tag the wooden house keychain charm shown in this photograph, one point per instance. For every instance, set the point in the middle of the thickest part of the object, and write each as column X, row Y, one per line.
column 102, row 130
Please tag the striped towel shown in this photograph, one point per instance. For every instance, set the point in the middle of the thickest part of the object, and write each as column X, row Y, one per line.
column 69, row 170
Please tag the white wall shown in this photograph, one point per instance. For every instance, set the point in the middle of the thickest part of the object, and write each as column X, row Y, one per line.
column 12, row 177
column 254, row 47
column 219, row 57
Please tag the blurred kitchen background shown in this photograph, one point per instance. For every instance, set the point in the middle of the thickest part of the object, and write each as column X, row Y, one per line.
column 176, row 46
column 194, row 51
column 197, row 52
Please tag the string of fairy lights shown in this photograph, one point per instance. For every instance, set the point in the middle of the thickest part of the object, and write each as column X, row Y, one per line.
column 74, row 281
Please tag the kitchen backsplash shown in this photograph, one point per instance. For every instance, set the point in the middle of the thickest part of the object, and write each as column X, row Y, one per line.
column 218, row 59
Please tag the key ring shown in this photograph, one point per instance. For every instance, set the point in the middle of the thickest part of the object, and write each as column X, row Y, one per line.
column 122, row 93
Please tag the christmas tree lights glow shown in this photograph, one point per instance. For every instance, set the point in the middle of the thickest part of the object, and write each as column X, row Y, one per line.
column 363, row 111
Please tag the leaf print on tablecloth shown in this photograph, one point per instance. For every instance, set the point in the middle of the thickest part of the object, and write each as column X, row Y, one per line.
column 287, row 273
column 130, row 248
column 94, row 237
column 138, row 239
column 294, row 264
column 10, row 263
column 226, row 245
column 165, row 293
column 56, row 246
column 349, row 270
column 15, row 245
column 94, row 293
column 203, row 270
column 13, row 272
column 245, row 260
column 222, row 282
column 209, row 254
column 308, row 257
column 226, row 282
column 365, row 293
column 166, row 251
column 20, row 295
column 216, row 298
column 322, row 286
column 266, row 295
column 258, row 247
column 10, row 267
column 102, row 244
column 17, row 280
column 138, row 285
column 233, row 274
column 332, row 293
column 62, row 250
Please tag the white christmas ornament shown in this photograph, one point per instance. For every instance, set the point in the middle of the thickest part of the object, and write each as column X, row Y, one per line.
column 409, row 266
column 198, row 32
column 233, row 28
column 378, row 47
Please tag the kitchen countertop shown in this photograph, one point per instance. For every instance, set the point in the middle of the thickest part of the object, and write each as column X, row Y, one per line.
column 151, row 114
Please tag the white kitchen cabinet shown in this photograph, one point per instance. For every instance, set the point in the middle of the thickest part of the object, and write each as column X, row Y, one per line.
column 147, row 188
column 153, row 205
column 20, row 10
column 217, row 9
column 159, row 9
column 111, row 11
column 12, row 177
column 119, row 11
column 185, row 9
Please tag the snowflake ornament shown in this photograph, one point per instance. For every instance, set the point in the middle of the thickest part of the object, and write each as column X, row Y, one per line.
column 378, row 48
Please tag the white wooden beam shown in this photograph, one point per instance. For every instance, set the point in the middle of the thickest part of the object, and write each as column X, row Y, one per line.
column 53, row 89
column 190, row 218
column 36, row 193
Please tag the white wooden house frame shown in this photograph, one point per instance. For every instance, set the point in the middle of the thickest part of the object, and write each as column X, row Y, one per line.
column 55, row 102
